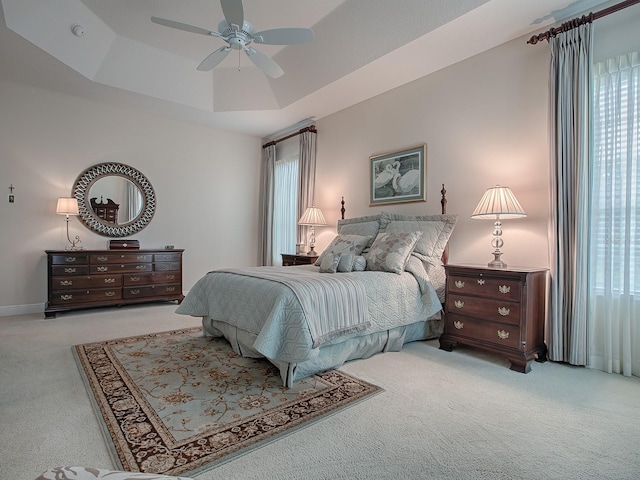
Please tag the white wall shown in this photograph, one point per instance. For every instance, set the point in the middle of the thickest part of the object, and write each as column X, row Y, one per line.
column 484, row 121
column 206, row 183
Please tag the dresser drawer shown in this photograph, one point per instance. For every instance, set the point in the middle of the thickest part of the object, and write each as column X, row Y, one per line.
column 121, row 268
column 166, row 257
column 70, row 259
column 485, row 286
column 167, row 266
column 489, row 309
column 109, row 258
column 496, row 333
column 151, row 278
column 95, row 281
column 85, row 296
column 151, row 291
column 60, row 270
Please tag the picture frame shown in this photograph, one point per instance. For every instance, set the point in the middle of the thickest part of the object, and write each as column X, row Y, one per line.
column 398, row 176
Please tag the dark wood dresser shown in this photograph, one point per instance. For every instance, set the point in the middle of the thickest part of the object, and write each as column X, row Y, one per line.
column 98, row 278
column 499, row 310
column 290, row 260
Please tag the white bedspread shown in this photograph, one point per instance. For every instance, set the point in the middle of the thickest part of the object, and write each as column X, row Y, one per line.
column 333, row 305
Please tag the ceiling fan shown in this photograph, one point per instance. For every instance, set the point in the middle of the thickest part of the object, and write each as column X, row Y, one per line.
column 239, row 35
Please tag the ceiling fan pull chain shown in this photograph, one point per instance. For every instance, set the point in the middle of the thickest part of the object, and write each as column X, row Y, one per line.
column 238, row 60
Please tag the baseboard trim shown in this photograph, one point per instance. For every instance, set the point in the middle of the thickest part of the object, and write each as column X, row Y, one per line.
column 11, row 310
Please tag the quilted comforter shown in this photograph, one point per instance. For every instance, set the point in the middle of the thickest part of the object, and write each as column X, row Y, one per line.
column 271, row 311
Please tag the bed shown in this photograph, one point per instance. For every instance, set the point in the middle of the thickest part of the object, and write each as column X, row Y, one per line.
column 378, row 285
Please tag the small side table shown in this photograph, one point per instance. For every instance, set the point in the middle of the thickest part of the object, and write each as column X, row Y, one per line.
column 499, row 310
column 289, row 260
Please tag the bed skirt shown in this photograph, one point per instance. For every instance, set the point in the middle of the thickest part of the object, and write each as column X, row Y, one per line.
column 332, row 355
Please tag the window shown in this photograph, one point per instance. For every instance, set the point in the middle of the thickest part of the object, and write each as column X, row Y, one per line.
column 285, row 207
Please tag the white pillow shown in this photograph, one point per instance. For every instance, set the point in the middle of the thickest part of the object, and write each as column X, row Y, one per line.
column 329, row 263
column 436, row 230
column 390, row 251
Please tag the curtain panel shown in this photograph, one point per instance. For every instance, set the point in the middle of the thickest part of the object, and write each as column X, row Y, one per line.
column 266, row 210
column 569, row 111
column 614, row 322
column 307, row 178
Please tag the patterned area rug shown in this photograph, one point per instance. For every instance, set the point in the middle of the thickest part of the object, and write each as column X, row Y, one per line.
column 179, row 403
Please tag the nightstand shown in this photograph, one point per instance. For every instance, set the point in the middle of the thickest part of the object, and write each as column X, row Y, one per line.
column 499, row 310
column 290, row 260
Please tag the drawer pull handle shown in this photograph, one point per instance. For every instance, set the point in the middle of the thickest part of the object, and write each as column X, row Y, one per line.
column 504, row 289
column 70, row 270
column 134, row 279
column 66, row 283
column 66, row 297
column 458, row 304
column 103, row 269
column 504, row 311
column 140, row 257
column 109, row 280
column 102, row 259
column 70, row 259
column 458, row 324
column 459, row 284
column 140, row 267
column 134, row 292
column 170, row 289
column 503, row 335
column 171, row 277
column 109, row 294
column 481, row 281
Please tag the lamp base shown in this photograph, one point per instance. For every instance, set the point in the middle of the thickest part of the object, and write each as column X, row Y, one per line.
column 497, row 262
column 311, row 252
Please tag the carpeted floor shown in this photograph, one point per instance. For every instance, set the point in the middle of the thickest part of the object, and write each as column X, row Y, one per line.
column 178, row 403
column 458, row 415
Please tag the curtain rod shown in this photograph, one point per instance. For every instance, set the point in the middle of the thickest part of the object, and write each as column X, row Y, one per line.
column 576, row 22
column 311, row 128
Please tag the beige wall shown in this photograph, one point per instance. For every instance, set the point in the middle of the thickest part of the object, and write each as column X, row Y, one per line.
column 206, row 183
column 484, row 121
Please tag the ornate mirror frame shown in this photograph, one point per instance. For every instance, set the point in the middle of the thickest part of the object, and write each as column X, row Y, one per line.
column 88, row 216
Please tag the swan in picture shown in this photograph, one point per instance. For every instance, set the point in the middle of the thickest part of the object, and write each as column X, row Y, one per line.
column 405, row 183
column 385, row 176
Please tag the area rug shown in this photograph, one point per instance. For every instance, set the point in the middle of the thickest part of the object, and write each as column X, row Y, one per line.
column 179, row 403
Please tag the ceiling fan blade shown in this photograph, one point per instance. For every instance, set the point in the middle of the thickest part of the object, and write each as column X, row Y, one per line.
column 264, row 63
column 214, row 59
column 284, row 36
column 233, row 12
column 183, row 26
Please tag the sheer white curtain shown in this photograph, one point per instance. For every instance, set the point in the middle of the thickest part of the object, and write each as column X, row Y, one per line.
column 285, row 207
column 614, row 323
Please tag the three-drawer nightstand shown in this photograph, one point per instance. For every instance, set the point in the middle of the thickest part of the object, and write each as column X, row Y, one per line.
column 290, row 260
column 499, row 310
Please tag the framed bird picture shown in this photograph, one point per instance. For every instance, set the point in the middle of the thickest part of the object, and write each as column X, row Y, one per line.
column 399, row 176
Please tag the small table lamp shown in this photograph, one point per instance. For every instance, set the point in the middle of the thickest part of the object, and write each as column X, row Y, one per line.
column 312, row 217
column 498, row 203
column 69, row 206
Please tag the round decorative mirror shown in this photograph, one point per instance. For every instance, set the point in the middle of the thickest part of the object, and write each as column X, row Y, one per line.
column 114, row 200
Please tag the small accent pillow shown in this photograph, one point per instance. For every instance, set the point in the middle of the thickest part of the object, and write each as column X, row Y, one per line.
column 329, row 263
column 390, row 251
column 347, row 260
column 344, row 244
column 360, row 264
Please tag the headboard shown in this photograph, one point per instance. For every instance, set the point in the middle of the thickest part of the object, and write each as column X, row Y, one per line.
column 443, row 210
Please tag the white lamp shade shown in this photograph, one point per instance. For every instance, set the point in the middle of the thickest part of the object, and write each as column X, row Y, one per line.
column 67, row 206
column 312, row 216
column 498, row 202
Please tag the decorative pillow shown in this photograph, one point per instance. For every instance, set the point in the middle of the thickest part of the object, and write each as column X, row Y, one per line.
column 329, row 263
column 367, row 226
column 347, row 260
column 436, row 230
column 344, row 244
column 360, row 264
column 390, row 251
